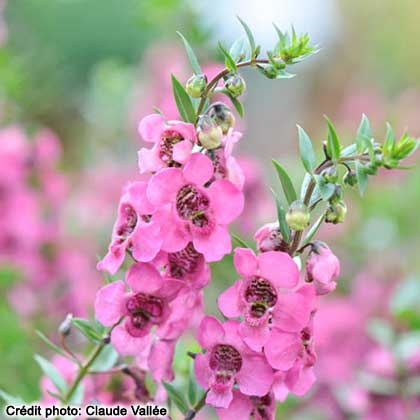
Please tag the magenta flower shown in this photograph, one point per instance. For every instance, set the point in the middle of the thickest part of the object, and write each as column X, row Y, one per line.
column 134, row 230
column 228, row 361
column 268, row 238
column 189, row 212
column 323, row 267
column 173, row 143
column 245, row 407
column 258, row 296
column 147, row 305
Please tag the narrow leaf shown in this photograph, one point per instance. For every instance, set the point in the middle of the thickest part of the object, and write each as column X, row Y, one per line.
column 326, row 189
column 286, row 182
column 362, row 177
column 176, row 397
column 281, row 216
column 239, row 240
column 240, row 50
column 238, row 106
column 191, row 55
column 87, row 329
column 106, row 360
column 313, row 230
column 389, row 143
column 364, row 133
column 192, row 385
column 229, row 61
column 249, row 35
column 183, row 101
column 51, row 371
column 306, row 149
column 333, row 142
column 51, row 345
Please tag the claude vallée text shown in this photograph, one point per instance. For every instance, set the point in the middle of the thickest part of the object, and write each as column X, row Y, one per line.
column 31, row 411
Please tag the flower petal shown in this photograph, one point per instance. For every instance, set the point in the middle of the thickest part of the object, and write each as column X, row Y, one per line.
column 255, row 377
column 151, row 126
column 144, row 277
column 182, row 151
column 146, row 241
column 164, row 186
column 198, row 169
column 282, row 349
column 230, row 302
column 210, row 332
column 240, row 408
column 109, row 303
column 214, row 246
column 227, row 201
column 279, row 268
column 245, row 261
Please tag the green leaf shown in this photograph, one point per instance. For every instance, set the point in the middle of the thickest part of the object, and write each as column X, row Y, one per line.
column 239, row 50
column 51, row 371
column 249, row 36
column 389, row 143
column 191, row 55
column 183, row 101
column 333, row 142
column 106, row 360
column 313, row 230
column 306, row 149
column 229, row 61
column 349, row 150
column 87, row 329
column 362, row 177
column 281, row 216
column 364, row 133
column 238, row 106
column 286, row 182
column 176, row 397
column 52, row 346
column 326, row 189
column 192, row 385
column 239, row 240
column 283, row 74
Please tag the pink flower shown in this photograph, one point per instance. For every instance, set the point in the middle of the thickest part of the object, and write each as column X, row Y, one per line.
column 173, row 143
column 323, row 267
column 292, row 353
column 228, row 361
column 268, row 238
column 133, row 230
column 146, row 306
column 189, row 212
column 259, row 298
column 245, row 407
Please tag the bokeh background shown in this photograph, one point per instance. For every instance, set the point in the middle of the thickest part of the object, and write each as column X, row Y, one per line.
column 75, row 78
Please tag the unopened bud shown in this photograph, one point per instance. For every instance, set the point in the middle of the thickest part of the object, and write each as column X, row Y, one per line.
column 196, row 85
column 222, row 116
column 270, row 71
column 235, row 85
column 350, row 179
column 65, row 326
column 337, row 196
column 298, row 216
column 209, row 133
column 330, row 175
column 336, row 213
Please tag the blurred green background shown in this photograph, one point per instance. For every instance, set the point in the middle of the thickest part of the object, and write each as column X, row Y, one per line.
column 87, row 70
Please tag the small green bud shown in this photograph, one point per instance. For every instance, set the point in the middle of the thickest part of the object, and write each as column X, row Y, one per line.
column 235, row 85
column 405, row 147
column 330, row 175
column 209, row 133
column 270, row 71
column 196, row 85
column 350, row 178
column 337, row 195
column 222, row 116
column 298, row 216
column 336, row 213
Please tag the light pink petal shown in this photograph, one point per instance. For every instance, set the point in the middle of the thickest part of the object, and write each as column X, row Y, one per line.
column 214, row 246
column 126, row 344
column 230, row 302
column 255, row 336
column 236, row 174
column 293, row 310
column 255, row 376
column 160, row 360
column 282, row 349
column 113, row 259
column 144, row 277
column 202, row 370
column 187, row 130
column 198, row 169
column 164, row 186
column 246, row 262
column 218, row 398
column 146, row 241
column 149, row 160
column 240, row 408
column 210, row 332
column 227, row 201
column 151, row 127
column 182, row 151
column 300, row 379
column 279, row 268
column 109, row 303
column 136, row 193
column 279, row 388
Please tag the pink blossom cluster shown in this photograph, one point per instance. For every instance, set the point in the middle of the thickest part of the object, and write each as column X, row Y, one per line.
column 172, row 224
column 52, row 266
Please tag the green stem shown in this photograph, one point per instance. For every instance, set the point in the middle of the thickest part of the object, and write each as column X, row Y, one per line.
column 200, row 404
column 213, row 83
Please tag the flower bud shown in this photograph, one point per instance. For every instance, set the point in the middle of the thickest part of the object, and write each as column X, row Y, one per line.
column 350, row 178
column 298, row 216
column 235, row 85
column 336, row 213
column 222, row 116
column 209, row 133
column 196, row 85
column 65, row 326
column 270, row 71
column 269, row 238
column 337, row 195
column 330, row 174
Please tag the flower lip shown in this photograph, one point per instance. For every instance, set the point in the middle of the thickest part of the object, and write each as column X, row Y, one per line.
column 224, row 358
column 168, row 139
column 260, row 296
column 184, row 262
